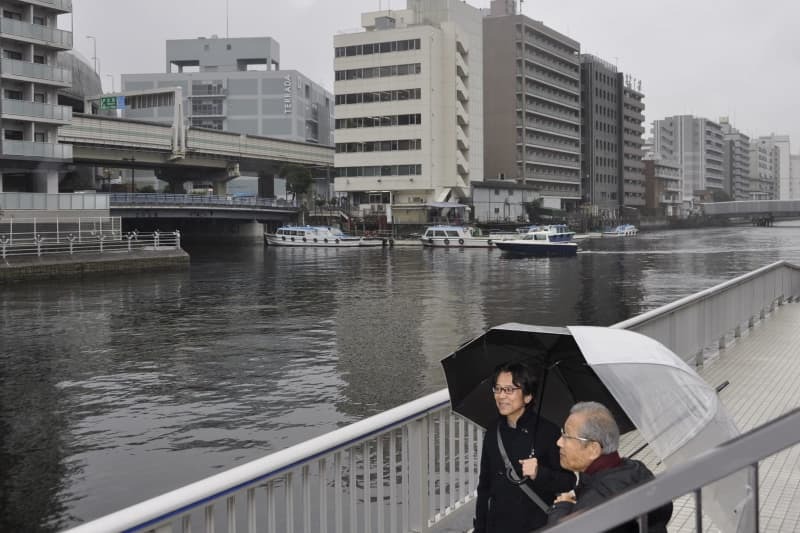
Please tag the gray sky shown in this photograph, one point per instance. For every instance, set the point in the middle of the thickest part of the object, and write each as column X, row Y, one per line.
column 710, row 58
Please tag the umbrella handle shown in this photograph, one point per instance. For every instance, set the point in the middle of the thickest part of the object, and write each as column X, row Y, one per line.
column 511, row 475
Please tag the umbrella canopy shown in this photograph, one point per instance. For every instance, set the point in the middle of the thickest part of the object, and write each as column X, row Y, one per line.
column 563, row 375
column 644, row 384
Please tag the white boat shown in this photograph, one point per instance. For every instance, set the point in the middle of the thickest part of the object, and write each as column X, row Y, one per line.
column 541, row 243
column 623, row 230
column 455, row 237
column 317, row 236
column 557, row 232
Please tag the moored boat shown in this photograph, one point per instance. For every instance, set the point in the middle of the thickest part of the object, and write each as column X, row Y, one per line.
column 317, row 236
column 455, row 237
column 539, row 243
column 623, row 230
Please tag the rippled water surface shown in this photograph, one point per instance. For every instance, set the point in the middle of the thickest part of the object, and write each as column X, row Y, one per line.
column 116, row 389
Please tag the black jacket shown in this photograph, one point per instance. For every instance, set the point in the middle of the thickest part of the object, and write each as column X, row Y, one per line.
column 594, row 489
column 501, row 506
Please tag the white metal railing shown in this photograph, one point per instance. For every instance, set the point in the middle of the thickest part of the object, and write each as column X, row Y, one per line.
column 109, row 240
column 23, row 108
column 23, row 230
column 402, row 470
column 10, row 201
column 26, row 30
column 418, row 460
column 36, row 149
column 36, row 71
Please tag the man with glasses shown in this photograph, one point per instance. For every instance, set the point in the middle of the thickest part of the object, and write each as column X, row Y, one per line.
column 514, row 491
column 588, row 446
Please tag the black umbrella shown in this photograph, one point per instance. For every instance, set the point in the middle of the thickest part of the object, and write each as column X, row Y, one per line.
column 563, row 376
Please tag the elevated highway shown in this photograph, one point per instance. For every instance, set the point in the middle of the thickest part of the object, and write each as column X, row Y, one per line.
column 188, row 206
column 753, row 208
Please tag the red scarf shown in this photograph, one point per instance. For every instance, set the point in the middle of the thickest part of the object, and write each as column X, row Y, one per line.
column 604, row 462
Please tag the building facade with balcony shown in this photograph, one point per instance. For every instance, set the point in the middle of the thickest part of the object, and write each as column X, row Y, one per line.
column 663, row 189
column 30, row 81
column 784, row 189
column 696, row 144
column 409, row 118
column 736, row 161
column 502, row 200
column 532, row 105
column 236, row 85
column 765, row 169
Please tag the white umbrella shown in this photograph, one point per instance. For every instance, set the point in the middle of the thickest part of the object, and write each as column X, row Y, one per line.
column 674, row 409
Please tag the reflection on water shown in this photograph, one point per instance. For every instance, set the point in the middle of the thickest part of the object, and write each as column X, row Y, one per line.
column 117, row 389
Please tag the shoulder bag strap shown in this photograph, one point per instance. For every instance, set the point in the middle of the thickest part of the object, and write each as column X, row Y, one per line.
column 515, row 477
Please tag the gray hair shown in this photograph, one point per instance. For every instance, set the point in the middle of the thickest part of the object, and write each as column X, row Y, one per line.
column 598, row 425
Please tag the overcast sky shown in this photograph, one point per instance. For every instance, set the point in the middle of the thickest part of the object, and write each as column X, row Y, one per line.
column 709, row 58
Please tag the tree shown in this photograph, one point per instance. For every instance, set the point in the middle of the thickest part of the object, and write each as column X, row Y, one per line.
column 298, row 179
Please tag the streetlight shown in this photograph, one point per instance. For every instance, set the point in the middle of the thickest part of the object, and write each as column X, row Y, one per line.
column 94, row 43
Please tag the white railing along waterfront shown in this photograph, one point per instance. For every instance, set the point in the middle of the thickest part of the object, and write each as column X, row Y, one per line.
column 166, row 199
column 108, row 241
column 408, row 468
column 20, row 230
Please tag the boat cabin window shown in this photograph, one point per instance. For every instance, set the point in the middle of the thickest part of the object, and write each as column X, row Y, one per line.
column 439, row 233
column 540, row 237
column 452, row 233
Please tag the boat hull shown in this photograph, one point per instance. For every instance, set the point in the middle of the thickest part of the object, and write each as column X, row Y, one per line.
column 464, row 242
column 539, row 249
column 301, row 242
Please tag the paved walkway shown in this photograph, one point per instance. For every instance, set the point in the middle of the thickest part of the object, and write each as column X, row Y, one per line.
column 763, row 368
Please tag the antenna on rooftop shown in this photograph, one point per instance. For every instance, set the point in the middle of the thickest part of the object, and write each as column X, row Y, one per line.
column 227, row 21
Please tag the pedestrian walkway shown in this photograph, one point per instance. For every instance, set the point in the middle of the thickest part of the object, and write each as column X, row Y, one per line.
column 763, row 371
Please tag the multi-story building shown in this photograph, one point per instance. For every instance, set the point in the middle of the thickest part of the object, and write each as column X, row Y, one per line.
column 532, row 105
column 611, row 138
column 794, row 163
column 409, row 118
column 502, row 200
column 236, row 85
column 765, row 169
column 736, row 161
column 30, row 81
column 662, row 185
column 784, row 189
column 696, row 144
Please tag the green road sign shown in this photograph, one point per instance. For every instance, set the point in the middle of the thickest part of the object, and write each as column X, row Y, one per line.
column 108, row 102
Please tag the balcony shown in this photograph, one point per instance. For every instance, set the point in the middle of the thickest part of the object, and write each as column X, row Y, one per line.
column 35, row 72
column 60, row 152
column 551, row 81
column 461, row 90
column 552, row 113
column 461, row 140
column 572, row 71
column 462, row 166
column 24, row 110
column 569, row 148
column 61, row 6
column 461, row 67
column 35, row 34
column 461, row 115
column 571, row 133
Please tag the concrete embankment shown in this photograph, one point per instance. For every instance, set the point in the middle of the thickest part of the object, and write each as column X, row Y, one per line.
column 17, row 268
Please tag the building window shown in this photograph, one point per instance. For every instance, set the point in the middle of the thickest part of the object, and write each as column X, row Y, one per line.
column 380, row 121
column 12, row 15
column 40, row 97
column 13, row 95
column 13, row 135
column 40, row 137
column 41, row 21
column 378, row 72
column 41, row 60
column 12, row 54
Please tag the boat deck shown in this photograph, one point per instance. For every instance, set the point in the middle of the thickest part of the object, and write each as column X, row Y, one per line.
column 763, row 368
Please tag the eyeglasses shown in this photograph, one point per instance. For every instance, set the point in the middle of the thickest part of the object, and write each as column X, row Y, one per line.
column 582, row 439
column 505, row 390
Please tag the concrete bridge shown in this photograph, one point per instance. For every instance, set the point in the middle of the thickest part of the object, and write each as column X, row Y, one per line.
column 180, row 154
column 192, row 206
column 753, row 209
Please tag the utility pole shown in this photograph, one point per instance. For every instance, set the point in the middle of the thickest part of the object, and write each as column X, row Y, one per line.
column 113, row 90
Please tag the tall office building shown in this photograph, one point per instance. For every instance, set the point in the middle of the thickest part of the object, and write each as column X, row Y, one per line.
column 532, row 105
column 736, row 161
column 696, row 144
column 409, row 118
column 236, row 85
column 612, row 116
column 765, row 169
column 30, row 80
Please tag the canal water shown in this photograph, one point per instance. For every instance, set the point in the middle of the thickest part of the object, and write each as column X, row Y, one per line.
column 117, row 389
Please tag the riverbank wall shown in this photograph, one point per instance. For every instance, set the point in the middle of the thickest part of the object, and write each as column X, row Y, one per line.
column 16, row 268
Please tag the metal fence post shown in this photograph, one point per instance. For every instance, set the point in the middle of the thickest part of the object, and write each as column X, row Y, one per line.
column 155, row 239
column 38, row 239
column 4, row 242
column 177, row 239
column 129, row 237
column 418, row 472
column 71, row 239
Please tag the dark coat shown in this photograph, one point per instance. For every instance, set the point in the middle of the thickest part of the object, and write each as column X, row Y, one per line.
column 594, row 489
column 501, row 506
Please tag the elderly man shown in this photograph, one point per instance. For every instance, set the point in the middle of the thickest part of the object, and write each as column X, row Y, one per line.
column 588, row 447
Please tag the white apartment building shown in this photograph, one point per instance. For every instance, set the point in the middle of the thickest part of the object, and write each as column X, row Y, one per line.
column 696, row 144
column 765, row 159
column 30, row 156
column 408, row 109
column 784, row 189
